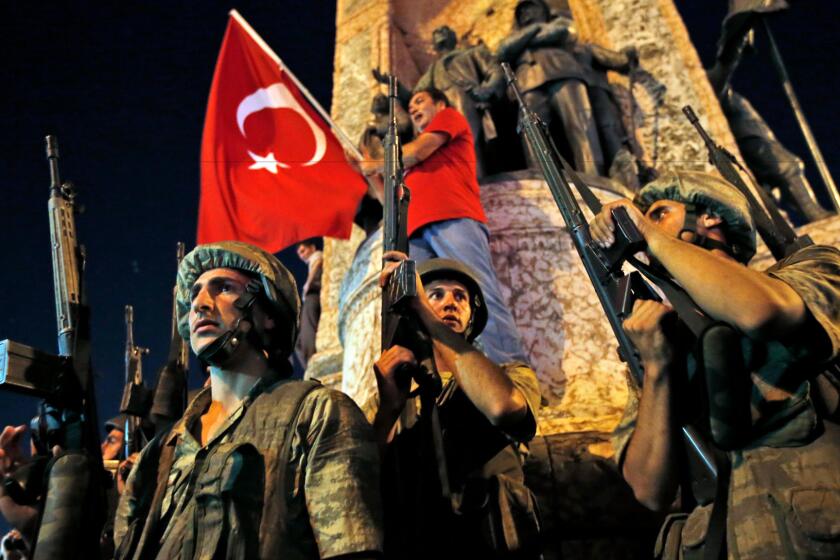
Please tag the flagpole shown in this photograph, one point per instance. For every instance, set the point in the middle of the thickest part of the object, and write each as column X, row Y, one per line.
column 342, row 136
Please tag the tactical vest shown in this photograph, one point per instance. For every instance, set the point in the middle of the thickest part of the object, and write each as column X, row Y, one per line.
column 233, row 516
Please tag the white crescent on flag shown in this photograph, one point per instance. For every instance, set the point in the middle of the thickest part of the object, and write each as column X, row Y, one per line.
column 278, row 96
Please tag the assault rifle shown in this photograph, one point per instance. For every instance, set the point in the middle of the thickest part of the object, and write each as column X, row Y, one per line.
column 616, row 291
column 135, row 397
column 776, row 232
column 73, row 505
column 398, row 324
column 170, row 398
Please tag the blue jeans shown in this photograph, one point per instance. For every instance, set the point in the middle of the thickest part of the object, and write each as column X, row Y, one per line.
column 467, row 241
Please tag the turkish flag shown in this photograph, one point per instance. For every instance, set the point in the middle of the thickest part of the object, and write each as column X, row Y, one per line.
column 272, row 172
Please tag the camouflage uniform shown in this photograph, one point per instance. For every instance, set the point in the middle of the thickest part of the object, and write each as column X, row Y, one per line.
column 324, row 505
column 784, row 492
column 475, row 450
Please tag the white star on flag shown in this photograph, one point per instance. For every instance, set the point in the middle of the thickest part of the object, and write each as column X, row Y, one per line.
column 267, row 162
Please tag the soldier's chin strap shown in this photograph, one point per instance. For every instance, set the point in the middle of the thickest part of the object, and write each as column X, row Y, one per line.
column 220, row 351
column 690, row 225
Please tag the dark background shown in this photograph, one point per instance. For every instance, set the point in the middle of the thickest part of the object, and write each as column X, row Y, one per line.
column 124, row 88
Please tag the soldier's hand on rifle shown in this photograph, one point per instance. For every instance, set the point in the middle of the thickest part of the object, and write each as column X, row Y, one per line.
column 647, row 328
column 419, row 304
column 391, row 260
column 19, row 516
column 602, row 227
column 393, row 389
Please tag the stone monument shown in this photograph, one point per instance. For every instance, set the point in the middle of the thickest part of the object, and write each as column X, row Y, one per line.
column 588, row 511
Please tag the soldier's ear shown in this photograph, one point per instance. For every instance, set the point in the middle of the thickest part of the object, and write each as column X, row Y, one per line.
column 710, row 221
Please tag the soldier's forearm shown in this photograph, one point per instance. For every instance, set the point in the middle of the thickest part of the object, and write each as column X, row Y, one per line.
column 484, row 383
column 758, row 305
column 650, row 465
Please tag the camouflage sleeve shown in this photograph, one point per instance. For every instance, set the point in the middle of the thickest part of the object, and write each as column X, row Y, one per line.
column 525, row 380
column 627, row 425
column 341, row 478
column 814, row 274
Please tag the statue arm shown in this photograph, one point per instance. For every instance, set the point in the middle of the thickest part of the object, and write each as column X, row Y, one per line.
column 403, row 93
column 558, row 32
column 607, row 59
column 492, row 79
column 518, row 41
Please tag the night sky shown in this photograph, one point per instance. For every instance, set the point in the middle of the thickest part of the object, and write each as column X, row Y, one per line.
column 124, row 87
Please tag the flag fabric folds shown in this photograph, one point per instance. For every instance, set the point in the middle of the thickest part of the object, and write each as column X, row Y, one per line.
column 272, row 171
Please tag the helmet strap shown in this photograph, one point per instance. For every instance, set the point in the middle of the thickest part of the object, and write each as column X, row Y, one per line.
column 220, row 351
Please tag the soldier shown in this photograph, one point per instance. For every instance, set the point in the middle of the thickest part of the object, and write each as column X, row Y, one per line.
column 445, row 217
column 259, row 466
column 483, row 407
column 553, row 84
column 783, row 498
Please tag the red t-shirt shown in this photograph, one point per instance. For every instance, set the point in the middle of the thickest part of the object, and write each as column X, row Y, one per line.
column 443, row 186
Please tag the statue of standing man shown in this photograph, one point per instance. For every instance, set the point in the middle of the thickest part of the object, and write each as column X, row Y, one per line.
column 470, row 78
column 553, row 83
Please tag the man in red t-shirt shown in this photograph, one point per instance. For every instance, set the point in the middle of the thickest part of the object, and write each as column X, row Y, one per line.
column 445, row 217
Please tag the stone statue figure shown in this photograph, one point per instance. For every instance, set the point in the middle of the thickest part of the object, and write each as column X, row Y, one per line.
column 616, row 143
column 771, row 163
column 470, row 78
column 540, row 50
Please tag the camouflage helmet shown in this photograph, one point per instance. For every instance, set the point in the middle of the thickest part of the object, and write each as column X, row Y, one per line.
column 448, row 269
column 277, row 285
column 116, row 423
column 710, row 192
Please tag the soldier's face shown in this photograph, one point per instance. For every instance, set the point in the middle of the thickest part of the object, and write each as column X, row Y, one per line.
column 451, row 301
column 422, row 109
column 212, row 310
column 112, row 445
column 668, row 215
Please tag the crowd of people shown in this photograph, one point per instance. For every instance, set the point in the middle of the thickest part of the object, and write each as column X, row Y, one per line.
column 265, row 466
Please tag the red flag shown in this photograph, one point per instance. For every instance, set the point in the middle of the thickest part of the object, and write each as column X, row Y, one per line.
column 272, row 172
